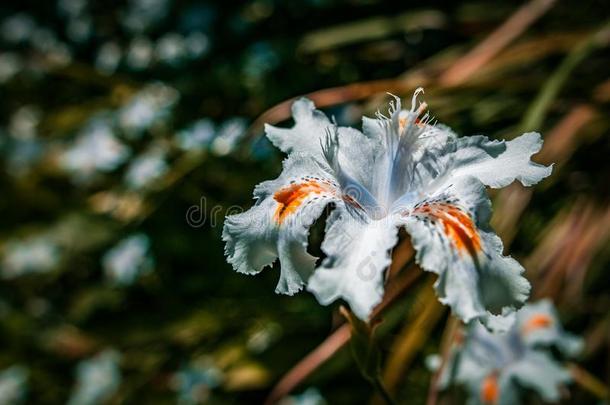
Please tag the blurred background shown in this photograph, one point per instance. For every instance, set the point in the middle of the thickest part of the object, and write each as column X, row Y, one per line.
column 128, row 129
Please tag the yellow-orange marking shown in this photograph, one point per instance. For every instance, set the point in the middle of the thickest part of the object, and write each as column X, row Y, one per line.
column 490, row 390
column 291, row 197
column 402, row 123
column 538, row 321
column 457, row 225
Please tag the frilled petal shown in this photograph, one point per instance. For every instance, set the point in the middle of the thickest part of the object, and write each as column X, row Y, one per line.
column 350, row 154
column 451, row 234
column 358, row 252
column 495, row 163
column 278, row 224
column 539, row 325
column 538, row 371
column 310, row 128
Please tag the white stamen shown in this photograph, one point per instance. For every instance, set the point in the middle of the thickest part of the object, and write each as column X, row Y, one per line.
column 418, row 91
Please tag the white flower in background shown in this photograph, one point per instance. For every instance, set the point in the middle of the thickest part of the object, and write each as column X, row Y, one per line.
column 79, row 24
column 45, row 41
column 171, row 48
column 22, row 29
column 22, row 155
column 24, row 122
column 24, row 147
column 310, row 396
column 96, row 150
column 150, row 106
column 139, row 53
column 37, row 254
column 128, row 259
column 10, row 65
column 17, row 28
column 13, row 385
column 197, row 136
column 146, row 168
column 108, row 58
column 141, row 15
column 97, row 379
column 71, row 8
column 79, row 29
column 197, row 44
column 228, row 135
column 496, row 368
column 194, row 382
column 401, row 172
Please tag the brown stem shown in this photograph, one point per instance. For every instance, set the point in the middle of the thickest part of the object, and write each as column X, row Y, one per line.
column 341, row 336
column 495, row 42
column 425, row 313
column 447, row 340
column 589, row 382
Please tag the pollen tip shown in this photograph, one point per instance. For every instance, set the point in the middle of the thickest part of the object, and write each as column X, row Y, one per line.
column 422, row 107
column 417, row 92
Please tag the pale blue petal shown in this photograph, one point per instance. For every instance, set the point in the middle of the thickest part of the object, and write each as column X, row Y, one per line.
column 310, row 128
column 13, row 384
column 538, row 371
column 549, row 332
column 358, row 253
column 495, row 163
column 97, row 379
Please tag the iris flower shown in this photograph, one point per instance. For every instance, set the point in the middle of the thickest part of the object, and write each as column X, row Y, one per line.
column 495, row 367
column 97, row 379
column 401, row 171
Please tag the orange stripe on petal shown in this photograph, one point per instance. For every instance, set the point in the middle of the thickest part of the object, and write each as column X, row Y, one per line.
column 490, row 390
column 458, row 226
column 538, row 321
column 291, row 197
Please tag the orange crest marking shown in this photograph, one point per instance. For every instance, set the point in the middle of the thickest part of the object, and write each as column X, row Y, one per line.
column 538, row 321
column 402, row 123
column 291, row 197
column 457, row 226
column 490, row 390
